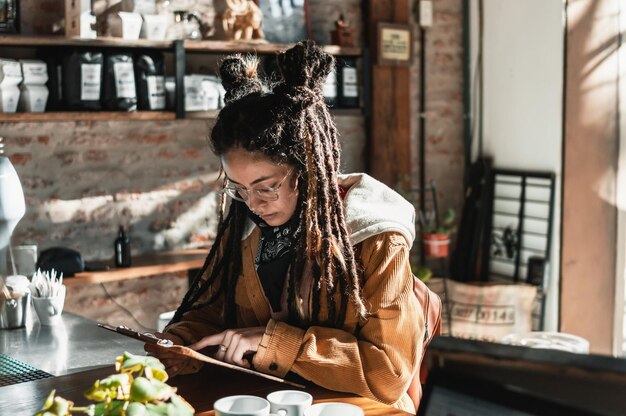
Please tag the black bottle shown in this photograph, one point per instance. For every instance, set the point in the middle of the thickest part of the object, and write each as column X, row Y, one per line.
column 122, row 249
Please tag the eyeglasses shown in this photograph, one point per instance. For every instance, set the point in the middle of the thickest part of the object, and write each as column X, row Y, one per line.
column 241, row 193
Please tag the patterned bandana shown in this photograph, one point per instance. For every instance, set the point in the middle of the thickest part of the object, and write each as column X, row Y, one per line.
column 274, row 255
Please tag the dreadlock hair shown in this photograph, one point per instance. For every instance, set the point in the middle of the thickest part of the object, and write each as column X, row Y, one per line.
column 289, row 124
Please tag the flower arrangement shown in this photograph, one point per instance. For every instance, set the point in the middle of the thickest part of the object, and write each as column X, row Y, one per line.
column 138, row 388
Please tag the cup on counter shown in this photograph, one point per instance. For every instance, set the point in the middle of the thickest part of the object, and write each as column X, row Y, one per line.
column 25, row 257
column 333, row 409
column 14, row 310
column 241, row 405
column 49, row 308
column 289, row 402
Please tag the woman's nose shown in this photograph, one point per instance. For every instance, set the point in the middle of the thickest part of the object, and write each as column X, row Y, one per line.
column 254, row 203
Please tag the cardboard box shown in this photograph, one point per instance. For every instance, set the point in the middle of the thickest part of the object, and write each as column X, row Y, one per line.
column 124, row 25
column 34, row 71
column 10, row 72
column 33, row 98
column 9, row 98
column 139, row 6
column 154, row 26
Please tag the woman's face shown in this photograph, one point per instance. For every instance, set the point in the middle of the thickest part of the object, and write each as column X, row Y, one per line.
column 256, row 175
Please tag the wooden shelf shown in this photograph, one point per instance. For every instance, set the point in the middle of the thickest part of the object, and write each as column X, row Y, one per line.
column 224, row 46
column 211, row 114
column 88, row 116
column 204, row 115
column 103, row 42
column 133, row 115
column 346, row 112
column 191, row 46
column 143, row 266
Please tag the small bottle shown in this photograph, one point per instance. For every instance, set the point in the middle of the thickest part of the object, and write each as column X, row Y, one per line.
column 122, row 249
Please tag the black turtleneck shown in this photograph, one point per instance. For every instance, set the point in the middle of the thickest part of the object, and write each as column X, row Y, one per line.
column 275, row 253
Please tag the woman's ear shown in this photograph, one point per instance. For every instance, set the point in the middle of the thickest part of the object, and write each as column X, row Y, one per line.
column 294, row 182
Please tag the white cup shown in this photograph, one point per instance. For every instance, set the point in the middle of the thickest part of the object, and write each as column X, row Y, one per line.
column 289, row 402
column 25, row 257
column 334, row 409
column 49, row 309
column 241, row 405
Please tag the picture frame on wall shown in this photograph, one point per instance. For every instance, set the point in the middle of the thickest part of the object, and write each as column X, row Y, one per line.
column 285, row 21
column 394, row 44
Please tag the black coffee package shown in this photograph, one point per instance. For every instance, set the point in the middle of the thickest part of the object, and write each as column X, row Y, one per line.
column 55, row 82
column 150, row 79
column 347, row 83
column 82, row 80
column 119, row 82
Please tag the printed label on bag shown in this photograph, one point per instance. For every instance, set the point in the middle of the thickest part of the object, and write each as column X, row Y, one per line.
column 124, row 79
column 483, row 314
column 349, row 75
column 156, row 91
column 90, row 75
column 350, row 90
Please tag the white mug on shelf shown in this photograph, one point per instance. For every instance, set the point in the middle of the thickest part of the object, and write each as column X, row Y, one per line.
column 289, row 402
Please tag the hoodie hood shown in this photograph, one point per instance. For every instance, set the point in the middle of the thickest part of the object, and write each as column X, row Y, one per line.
column 370, row 208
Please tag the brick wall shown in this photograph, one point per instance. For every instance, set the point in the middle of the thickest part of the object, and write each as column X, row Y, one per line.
column 444, row 104
column 135, row 303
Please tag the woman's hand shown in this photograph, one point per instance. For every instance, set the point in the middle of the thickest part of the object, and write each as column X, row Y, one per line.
column 233, row 344
column 174, row 363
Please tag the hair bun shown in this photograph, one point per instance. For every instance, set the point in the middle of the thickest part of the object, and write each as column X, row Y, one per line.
column 305, row 65
column 239, row 77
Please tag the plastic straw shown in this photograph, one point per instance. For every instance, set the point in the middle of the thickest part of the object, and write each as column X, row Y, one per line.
column 46, row 284
column 12, row 259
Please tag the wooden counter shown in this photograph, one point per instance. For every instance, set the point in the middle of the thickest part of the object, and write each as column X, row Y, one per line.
column 201, row 390
column 79, row 353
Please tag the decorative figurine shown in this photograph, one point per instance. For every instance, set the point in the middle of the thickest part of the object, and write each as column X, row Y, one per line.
column 343, row 35
column 242, row 20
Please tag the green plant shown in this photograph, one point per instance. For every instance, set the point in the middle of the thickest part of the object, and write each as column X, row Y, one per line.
column 138, row 389
column 422, row 273
column 431, row 224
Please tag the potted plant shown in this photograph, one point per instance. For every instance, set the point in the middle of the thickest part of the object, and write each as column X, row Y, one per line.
column 139, row 388
column 436, row 232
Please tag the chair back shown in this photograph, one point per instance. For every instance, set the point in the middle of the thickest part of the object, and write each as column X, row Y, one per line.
column 432, row 322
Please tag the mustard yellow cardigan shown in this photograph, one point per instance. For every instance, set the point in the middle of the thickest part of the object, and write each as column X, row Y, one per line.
column 374, row 359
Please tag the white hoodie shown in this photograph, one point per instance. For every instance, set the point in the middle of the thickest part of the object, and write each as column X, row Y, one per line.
column 372, row 208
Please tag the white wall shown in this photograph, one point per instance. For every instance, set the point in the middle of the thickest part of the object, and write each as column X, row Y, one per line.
column 523, row 91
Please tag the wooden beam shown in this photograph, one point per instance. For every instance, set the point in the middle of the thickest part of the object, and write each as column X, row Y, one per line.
column 390, row 121
column 589, row 221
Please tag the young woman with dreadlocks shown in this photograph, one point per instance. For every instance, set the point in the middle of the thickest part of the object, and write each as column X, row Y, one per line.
column 309, row 272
